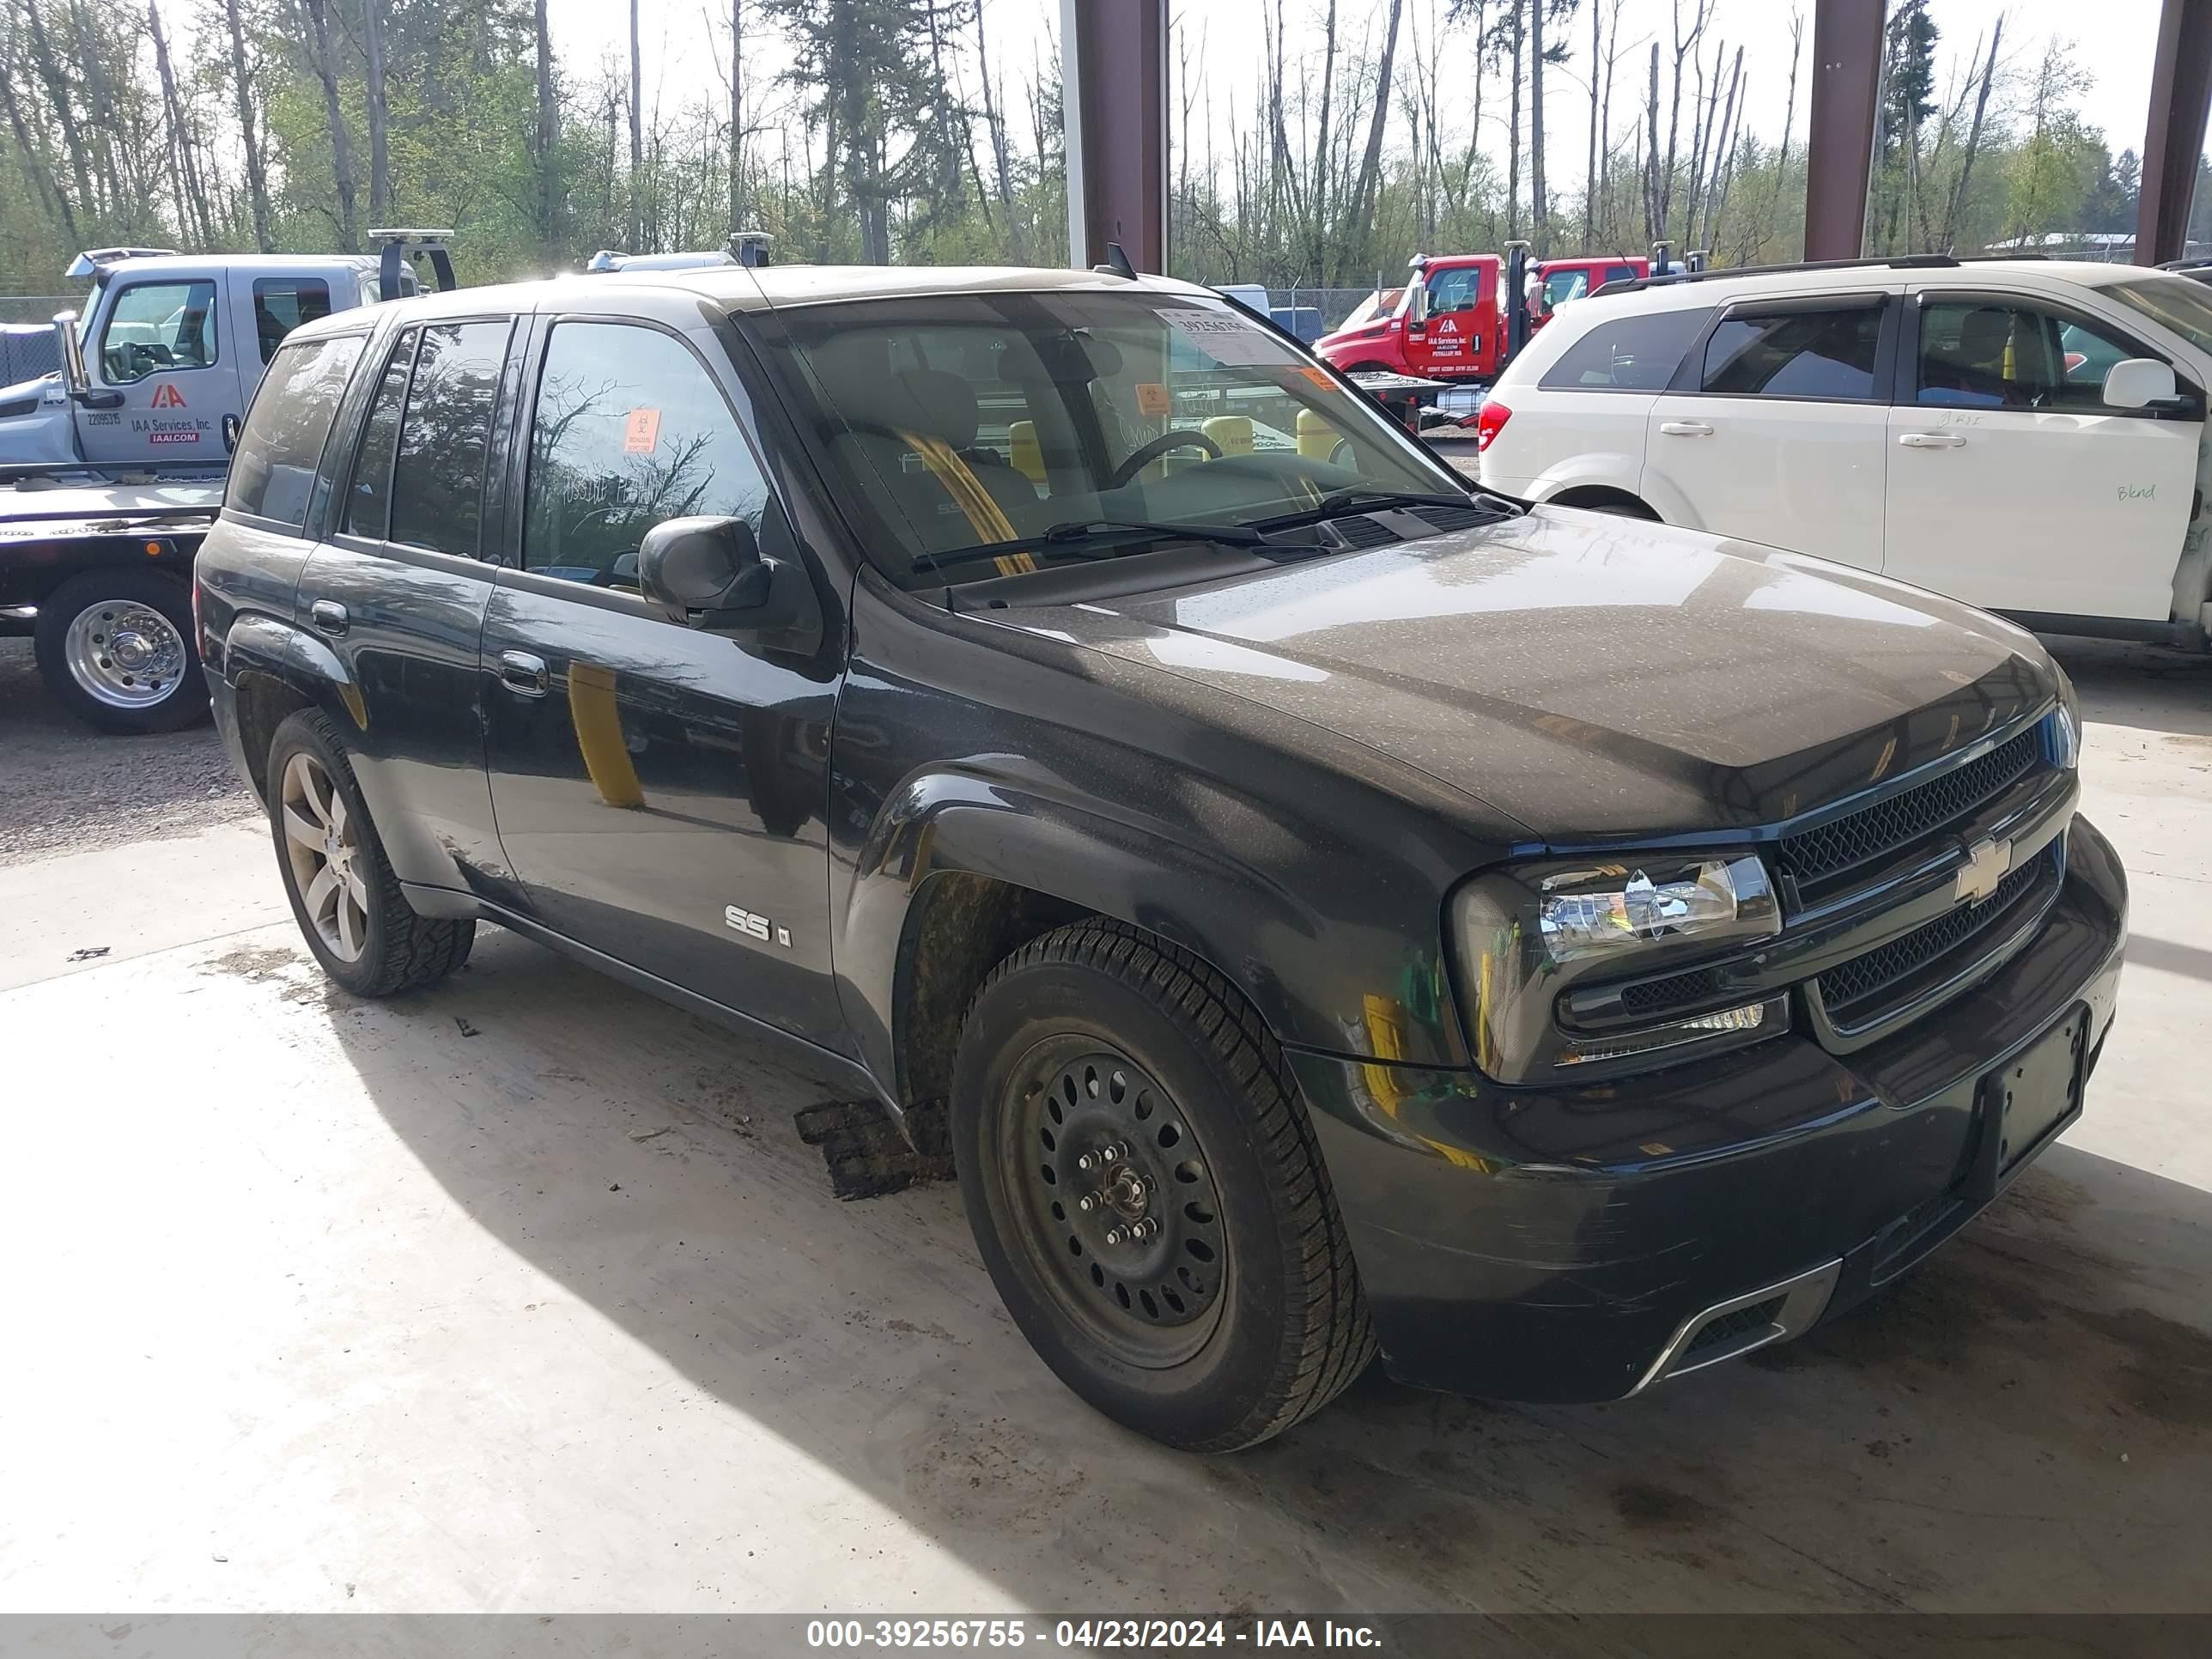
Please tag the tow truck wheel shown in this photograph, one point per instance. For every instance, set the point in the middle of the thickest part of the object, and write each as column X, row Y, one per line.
column 1146, row 1191
column 116, row 647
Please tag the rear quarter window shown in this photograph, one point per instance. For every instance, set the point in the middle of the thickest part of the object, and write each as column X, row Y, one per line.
column 1633, row 352
column 273, row 474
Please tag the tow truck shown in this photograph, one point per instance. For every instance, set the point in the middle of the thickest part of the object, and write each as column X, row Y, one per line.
column 1427, row 351
column 111, row 467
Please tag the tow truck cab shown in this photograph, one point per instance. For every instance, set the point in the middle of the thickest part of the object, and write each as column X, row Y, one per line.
column 1459, row 334
column 170, row 344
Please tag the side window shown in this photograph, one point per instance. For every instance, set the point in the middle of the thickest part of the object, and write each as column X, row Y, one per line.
column 156, row 328
column 1795, row 354
column 368, row 498
column 1987, row 354
column 1637, row 353
column 1562, row 285
column 630, row 429
column 281, row 304
column 438, row 474
column 281, row 444
column 1456, row 289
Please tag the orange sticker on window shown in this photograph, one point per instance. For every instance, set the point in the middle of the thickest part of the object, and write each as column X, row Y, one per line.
column 642, row 432
column 1152, row 398
column 1320, row 377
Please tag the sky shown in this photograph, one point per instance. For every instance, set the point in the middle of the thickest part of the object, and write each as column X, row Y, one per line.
column 684, row 55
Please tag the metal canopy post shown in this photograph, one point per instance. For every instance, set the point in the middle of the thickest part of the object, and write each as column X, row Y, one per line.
column 2181, row 91
column 1113, row 67
column 1839, row 157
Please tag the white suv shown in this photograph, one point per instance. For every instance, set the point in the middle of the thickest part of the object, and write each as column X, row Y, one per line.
column 2026, row 435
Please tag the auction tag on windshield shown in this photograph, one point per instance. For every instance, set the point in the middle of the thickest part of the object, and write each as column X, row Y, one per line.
column 1226, row 339
column 1152, row 398
column 642, row 431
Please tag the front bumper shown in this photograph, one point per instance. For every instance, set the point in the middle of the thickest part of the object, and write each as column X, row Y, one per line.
column 1540, row 1244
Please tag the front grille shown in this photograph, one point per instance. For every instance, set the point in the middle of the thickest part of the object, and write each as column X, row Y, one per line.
column 1744, row 1322
column 1814, row 855
column 1847, row 989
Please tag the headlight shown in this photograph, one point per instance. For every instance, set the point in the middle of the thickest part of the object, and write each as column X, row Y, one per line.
column 1530, row 936
column 2062, row 728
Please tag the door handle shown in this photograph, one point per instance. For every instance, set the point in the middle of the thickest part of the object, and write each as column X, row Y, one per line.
column 1930, row 440
column 328, row 614
column 520, row 672
column 1686, row 428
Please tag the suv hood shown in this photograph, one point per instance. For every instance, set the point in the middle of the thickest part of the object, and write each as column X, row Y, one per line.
column 1597, row 677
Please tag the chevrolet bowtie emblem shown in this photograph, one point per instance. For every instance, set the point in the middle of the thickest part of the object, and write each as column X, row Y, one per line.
column 1987, row 863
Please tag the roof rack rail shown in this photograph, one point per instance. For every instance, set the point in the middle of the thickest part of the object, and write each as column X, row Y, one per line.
column 2198, row 264
column 1897, row 261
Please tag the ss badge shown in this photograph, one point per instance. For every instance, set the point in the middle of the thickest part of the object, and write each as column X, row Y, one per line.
column 753, row 927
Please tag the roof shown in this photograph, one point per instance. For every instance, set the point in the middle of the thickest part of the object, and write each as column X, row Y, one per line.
column 740, row 288
column 196, row 263
column 1714, row 286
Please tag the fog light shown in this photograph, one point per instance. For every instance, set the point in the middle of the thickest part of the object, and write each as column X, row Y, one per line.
column 1769, row 1017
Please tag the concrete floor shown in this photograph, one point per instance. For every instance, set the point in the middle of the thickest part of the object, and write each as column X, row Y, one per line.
column 524, row 1294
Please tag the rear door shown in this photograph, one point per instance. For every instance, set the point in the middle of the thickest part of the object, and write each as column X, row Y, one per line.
column 1775, row 428
column 398, row 593
column 2012, row 485
column 161, row 344
column 661, row 790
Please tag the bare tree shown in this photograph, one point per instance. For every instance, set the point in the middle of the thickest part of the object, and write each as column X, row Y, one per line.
column 184, row 170
column 549, row 126
column 1789, row 116
column 1361, row 213
column 323, row 62
column 380, row 114
column 738, row 113
column 257, row 181
column 1957, row 196
column 1539, row 209
column 636, row 139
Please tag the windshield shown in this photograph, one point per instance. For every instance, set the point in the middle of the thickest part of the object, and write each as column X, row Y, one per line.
column 2181, row 305
column 980, row 421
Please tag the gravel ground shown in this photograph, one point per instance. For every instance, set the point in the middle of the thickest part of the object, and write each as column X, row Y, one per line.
column 65, row 788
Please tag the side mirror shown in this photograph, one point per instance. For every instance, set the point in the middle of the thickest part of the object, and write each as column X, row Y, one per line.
column 1417, row 306
column 70, row 352
column 708, row 574
column 2139, row 383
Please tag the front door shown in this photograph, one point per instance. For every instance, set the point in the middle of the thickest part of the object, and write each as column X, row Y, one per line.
column 660, row 790
column 2012, row 485
column 1455, row 342
column 161, row 344
column 1774, row 432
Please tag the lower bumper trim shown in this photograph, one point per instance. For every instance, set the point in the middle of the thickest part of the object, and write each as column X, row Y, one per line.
column 1735, row 1327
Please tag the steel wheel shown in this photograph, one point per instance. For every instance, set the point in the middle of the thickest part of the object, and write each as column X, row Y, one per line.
column 125, row 653
column 322, row 844
column 1116, row 1205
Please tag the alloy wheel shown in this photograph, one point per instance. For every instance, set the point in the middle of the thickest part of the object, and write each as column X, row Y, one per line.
column 322, row 843
column 125, row 653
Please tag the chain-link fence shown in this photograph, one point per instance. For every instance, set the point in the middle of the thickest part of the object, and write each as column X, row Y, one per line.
column 26, row 336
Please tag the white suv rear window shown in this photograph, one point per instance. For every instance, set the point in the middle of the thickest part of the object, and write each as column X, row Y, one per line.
column 1636, row 352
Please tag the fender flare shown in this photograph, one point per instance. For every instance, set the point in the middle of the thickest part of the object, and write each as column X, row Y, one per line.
column 1011, row 831
column 1597, row 469
column 258, row 643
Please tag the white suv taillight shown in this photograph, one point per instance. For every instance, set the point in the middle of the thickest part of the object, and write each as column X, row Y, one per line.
column 1490, row 423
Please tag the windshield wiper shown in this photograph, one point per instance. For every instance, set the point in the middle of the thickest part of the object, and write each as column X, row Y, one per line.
column 1337, row 503
column 1071, row 538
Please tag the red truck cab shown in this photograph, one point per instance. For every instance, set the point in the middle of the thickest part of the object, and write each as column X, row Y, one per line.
column 1560, row 280
column 1463, row 337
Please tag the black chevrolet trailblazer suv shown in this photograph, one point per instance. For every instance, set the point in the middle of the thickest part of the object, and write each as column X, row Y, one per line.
column 1336, row 910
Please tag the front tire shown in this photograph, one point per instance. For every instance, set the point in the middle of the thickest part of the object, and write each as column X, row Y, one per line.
column 1205, row 1295
column 117, row 648
column 344, row 896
